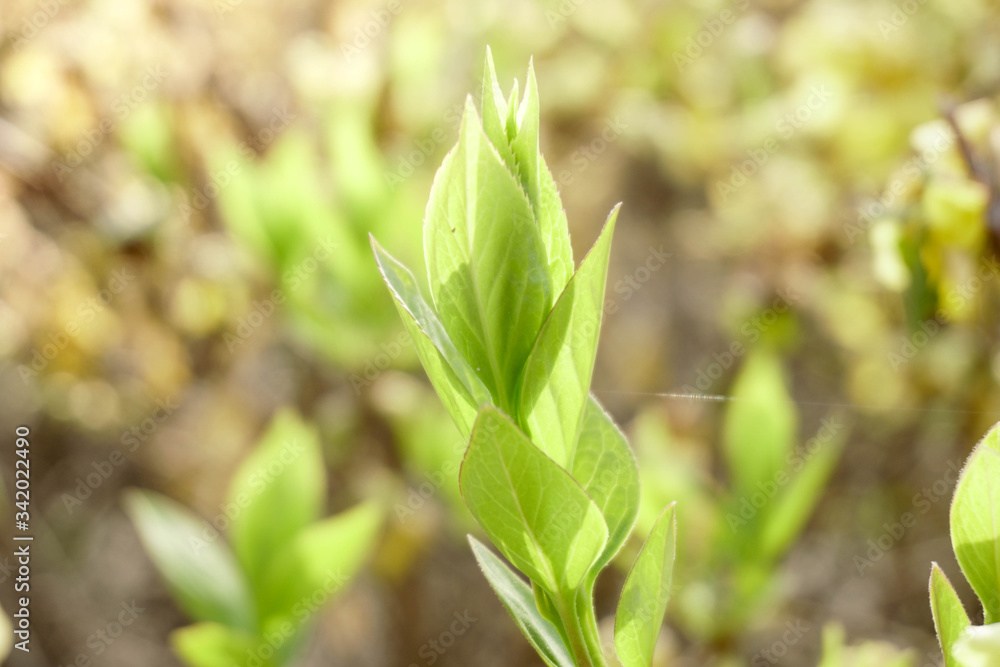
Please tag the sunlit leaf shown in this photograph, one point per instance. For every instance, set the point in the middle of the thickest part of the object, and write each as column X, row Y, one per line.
column 539, row 517
column 975, row 523
column 460, row 389
column 557, row 375
column 486, row 260
column 950, row 618
column 645, row 594
column 605, row 467
column 517, row 597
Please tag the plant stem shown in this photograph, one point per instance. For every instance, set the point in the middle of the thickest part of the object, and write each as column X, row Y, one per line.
column 576, row 624
column 585, row 605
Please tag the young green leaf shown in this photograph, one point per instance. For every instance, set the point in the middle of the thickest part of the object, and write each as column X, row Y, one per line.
column 555, row 229
column 525, row 142
column 517, row 597
column 460, row 389
column 557, row 374
column 278, row 490
column 540, row 189
column 836, row 652
column 495, row 114
column 975, row 523
column 485, row 260
column 319, row 562
column 950, row 619
column 979, row 646
column 511, row 123
column 605, row 467
column 214, row 645
column 197, row 565
column 760, row 424
column 539, row 517
column 645, row 594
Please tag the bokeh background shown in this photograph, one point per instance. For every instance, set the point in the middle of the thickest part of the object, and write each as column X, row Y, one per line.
column 186, row 193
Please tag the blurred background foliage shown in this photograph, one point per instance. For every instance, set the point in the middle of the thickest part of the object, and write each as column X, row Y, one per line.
column 810, row 187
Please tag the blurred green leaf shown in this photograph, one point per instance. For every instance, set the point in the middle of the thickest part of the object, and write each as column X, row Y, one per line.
column 277, row 491
column 646, row 593
column 955, row 211
column 517, row 598
column 556, row 381
column 866, row 654
column 214, row 645
column 149, row 133
column 792, row 507
column 539, row 517
column 979, row 646
column 318, row 563
column 760, row 424
column 196, row 563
